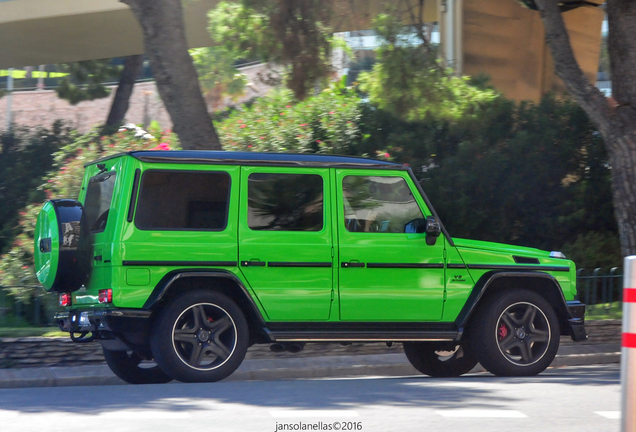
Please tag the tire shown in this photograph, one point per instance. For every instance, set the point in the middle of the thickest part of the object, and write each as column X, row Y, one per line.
column 127, row 367
column 202, row 336
column 430, row 359
column 515, row 334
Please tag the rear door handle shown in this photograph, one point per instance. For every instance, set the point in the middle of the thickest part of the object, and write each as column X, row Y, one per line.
column 253, row 263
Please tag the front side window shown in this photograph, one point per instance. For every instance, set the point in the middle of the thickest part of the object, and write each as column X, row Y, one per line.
column 285, row 202
column 99, row 195
column 378, row 204
column 183, row 200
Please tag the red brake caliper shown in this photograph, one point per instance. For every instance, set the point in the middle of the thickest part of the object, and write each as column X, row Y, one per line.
column 503, row 331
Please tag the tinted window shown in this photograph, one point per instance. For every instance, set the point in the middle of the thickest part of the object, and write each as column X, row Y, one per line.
column 285, row 202
column 378, row 204
column 183, row 200
column 99, row 195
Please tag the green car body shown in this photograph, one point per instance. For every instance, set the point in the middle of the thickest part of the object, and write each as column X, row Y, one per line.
column 309, row 248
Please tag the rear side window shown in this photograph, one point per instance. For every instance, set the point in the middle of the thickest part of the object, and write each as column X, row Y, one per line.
column 285, row 202
column 378, row 204
column 183, row 200
column 99, row 195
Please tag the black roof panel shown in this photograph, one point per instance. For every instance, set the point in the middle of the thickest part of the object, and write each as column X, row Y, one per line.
column 254, row 158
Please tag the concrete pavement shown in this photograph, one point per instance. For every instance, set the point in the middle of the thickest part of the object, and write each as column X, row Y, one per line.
column 394, row 364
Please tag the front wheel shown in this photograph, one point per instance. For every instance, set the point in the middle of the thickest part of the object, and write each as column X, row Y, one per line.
column 201, row 336
column 515, row 334
column 434, row 360
column 129, row 367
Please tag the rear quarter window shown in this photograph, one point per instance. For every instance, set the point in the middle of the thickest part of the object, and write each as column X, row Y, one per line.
column 183, row 200
column 99, row 195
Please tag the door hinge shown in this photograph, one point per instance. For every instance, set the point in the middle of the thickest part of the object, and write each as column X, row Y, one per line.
column 444, row 254
column 332, row 252
column 332, row 295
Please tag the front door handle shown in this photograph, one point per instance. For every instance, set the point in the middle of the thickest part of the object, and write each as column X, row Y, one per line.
column 253, row 263
column 352, row 264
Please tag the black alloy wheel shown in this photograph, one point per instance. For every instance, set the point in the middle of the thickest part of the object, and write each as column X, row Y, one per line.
column 515, row 333
column 200, row 337
column 523, row 334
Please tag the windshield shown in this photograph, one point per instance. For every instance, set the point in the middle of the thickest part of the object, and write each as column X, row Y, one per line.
column 98, row 197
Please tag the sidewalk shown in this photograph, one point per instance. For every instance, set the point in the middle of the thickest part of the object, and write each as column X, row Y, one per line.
column 394, row 364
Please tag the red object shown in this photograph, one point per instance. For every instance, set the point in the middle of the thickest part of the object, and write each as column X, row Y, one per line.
column 106, row 296
column 629, row 295
column 629, row 340
column 66, row 299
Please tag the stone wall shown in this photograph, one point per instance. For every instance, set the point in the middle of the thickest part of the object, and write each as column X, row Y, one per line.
column 38, row 352
column 42, row 107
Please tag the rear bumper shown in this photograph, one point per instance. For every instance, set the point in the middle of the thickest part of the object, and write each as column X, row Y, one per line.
column 577, row 320
column 95, row 320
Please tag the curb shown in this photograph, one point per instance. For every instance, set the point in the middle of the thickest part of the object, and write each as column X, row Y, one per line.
column 269, row 370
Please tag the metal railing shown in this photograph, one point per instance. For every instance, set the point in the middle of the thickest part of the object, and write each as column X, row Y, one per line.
column 601, row 290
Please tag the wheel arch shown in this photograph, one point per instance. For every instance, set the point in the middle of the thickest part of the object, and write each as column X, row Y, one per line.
column 221, row 281
column 493, row 282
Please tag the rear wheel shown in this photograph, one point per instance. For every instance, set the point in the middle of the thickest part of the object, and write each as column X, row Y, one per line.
column 515, row 334
column 437, row 361
column 129, row 367
column 201, row 336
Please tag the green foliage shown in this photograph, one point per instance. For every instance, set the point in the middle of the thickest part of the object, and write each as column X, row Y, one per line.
column 64, row 181
column 217, row 75
column 289, row 33
column 326, row 123
column 409, row 81
column 533, row 175
column 85, row 80
column 594, row 249
column 25, row 156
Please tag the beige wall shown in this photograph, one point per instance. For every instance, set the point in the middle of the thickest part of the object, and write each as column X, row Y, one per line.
column 507, row 42
column 42, row 108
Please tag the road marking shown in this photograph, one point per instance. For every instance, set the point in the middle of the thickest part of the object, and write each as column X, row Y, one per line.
column 6, row 414
column 614, row 415
column 481, row 413
column 313, row 413
column 150, row 414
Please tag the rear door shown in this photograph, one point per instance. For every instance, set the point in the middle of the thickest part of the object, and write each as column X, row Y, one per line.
column 285, row 241
column 386, row 273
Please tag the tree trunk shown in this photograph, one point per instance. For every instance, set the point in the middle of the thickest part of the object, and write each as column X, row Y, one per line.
column 616, row 117
column 177, row 81
column 132, row 67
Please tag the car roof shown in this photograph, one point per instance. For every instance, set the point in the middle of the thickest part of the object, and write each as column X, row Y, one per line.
column 253, row 158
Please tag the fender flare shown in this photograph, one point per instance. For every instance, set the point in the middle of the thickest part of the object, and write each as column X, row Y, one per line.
column 486, row 281
column 168, row 280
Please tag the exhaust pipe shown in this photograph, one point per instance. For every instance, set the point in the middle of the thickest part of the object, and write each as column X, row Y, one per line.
column 277, row 347
column 291, row 347
column 295, row 347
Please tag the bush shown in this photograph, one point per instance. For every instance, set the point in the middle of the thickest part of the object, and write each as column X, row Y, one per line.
column 326, row 123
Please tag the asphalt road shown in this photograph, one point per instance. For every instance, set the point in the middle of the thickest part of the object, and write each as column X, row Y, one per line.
column 577, row 398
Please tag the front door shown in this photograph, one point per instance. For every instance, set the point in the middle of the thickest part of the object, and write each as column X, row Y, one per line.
column 285, row 241
column 386, row 272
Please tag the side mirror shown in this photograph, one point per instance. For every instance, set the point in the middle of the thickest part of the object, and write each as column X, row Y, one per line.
column 416, row 226
column 433, row 230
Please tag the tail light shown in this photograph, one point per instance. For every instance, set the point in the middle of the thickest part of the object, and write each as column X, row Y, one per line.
column 106, row 296
column 66, row 299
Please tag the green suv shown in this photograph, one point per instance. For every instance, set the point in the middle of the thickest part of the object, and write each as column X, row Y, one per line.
column 189, row 257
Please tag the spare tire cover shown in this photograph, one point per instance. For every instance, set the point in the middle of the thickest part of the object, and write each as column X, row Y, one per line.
column 62, row 246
